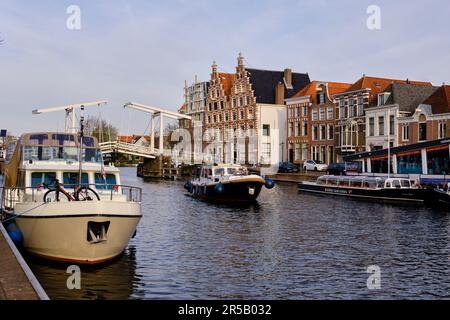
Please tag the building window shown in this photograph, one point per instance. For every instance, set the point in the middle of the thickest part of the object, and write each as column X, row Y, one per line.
column 351, row 108
column 315, row 133
column 315, row 153
column 248, row 100
column 265, row 152
column 297, row 151
column 304, row 151
column 381, row 126
column 241, row 101
column 242, row 115
column 360, row 106
column 330, row 132
column 371, row 126
column 330, row 154
column 405, row 132
column 321, row 98
column 323, row 132
column 305, row 129
column 266, row 130
column 291, row 129
column 297, row 129
column 342, row 109
column 322, row 114
column 305, row 111
column 297, row 113
column 442, row 130
column 422, row 131
column 392, row 125
column 314, row 115
column 330, row 114
column 234, row 116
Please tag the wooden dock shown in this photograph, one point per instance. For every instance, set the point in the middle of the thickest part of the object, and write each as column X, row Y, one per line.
column 17, row 281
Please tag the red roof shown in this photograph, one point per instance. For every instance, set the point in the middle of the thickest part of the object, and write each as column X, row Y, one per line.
column 440, row 100
column 333, row 88
column 227, row 80
column 379, row 85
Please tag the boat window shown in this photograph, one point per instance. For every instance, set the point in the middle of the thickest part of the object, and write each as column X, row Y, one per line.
column 344, row 183
column 388, row 184
column 219, row 171
column 374, row 184
column 64, row 140
column 65, row 153
column 366, row 184
column 396, row 184
column 105, row 184
column 87, row 141
column 356, row 183
column 332, row 182
column 70, row 179
column 38, row 139
column 39, row 178
column 321, row 181
column 37, row 153
column 380, row 184
column 405, row 184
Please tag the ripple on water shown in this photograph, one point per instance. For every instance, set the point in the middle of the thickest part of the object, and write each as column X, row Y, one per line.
column 287, row 246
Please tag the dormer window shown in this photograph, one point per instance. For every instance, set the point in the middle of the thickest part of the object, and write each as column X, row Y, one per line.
column 382, row 98
column 320, row 98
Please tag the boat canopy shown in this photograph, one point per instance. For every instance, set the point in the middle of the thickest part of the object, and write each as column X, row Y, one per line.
column 366, row 182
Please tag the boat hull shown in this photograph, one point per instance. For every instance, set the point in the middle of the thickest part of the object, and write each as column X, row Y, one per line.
column 240, row 191
column 442, row 199
column 390, row 195
column 61, row 231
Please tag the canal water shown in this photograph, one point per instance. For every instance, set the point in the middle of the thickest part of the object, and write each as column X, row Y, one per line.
column 287, row 246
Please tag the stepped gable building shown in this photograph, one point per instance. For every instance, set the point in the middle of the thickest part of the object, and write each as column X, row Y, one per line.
column 350, row 111
column 311, row 122
column 398, row 100
column 249, row 127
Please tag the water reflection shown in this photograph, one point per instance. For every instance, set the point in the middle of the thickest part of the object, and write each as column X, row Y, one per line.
column 112, row 281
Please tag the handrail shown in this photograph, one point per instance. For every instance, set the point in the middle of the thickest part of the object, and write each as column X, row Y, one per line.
column 13, row 195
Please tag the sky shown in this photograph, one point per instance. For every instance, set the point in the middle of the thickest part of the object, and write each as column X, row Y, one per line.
column 143, row 51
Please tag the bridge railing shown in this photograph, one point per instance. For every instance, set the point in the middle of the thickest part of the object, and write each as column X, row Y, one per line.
column 124, row 147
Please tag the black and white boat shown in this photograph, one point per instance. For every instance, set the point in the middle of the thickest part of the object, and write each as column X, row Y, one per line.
column 442, row 198
column 226, row 183
column 386, row 189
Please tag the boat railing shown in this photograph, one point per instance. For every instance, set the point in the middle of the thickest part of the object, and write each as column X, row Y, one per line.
column 11, row 196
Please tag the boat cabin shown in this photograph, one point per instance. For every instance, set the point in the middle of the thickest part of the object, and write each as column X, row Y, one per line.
column 41, row 158
column 366, row 182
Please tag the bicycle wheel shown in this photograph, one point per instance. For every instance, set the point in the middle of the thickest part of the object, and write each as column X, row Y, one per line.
column 86, row 194
column 50, row 196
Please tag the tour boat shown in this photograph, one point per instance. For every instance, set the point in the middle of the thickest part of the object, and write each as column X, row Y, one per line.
column 389, row 189
column 67, row 204
column 226, row 183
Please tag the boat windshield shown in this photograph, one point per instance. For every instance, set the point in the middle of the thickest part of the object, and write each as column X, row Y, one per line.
column 219, row 171
column 236, row 171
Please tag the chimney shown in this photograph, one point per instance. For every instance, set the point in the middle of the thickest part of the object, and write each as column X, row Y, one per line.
column 288, row 78
column 279, row 93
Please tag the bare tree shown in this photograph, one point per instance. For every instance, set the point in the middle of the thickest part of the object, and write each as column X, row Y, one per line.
column 102, row 130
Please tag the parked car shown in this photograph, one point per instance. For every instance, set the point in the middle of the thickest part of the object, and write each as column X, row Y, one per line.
column 314, row 165
column 344, row 168
column 288, row 167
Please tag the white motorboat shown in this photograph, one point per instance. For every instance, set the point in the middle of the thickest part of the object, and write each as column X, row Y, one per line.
column 68, row 209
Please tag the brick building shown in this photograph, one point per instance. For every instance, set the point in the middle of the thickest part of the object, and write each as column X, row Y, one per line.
column 246, row 116
column 311, row 122
column 350, row 111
